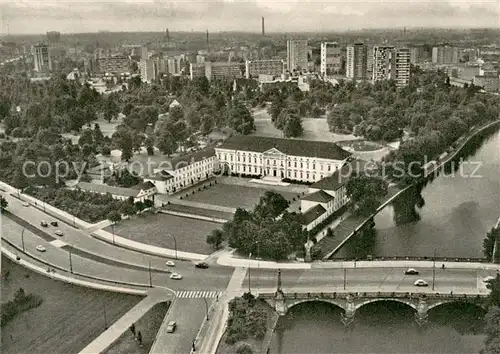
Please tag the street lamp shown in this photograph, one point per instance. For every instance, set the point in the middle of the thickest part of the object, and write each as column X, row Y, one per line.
column 345, row 277
column 113, row 228
column 22, row 239
column 249, row 269
column 70, row 262
column 175, row 244
column 434, row 269
column 105, row 319
column 150, row 279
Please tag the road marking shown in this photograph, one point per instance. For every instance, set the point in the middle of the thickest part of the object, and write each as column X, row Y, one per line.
column 197, row 294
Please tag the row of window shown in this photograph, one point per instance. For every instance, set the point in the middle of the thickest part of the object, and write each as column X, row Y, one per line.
column 268, row 162
column 290, row 174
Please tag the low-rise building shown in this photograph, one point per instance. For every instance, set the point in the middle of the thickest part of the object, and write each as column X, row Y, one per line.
column 272, row 67
column 187, row 169
column 163, row 181
column 293, row 159
column 141, row 192
column 490, row 82
column 329, row 194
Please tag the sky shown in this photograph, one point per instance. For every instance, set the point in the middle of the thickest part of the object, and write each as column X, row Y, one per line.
column 77, row 16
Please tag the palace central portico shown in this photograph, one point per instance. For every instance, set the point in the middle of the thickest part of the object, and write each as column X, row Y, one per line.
column 299, row 160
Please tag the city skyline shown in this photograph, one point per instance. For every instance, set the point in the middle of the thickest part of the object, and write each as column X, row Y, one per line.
column 77, row 16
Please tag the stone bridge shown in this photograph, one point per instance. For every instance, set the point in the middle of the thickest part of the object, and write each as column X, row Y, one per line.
column 350, row 302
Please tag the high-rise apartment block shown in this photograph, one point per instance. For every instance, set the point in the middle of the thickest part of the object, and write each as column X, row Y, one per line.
column 296, row 50
column 217, row 70
column 53, row 37
column 391, row 63
column 42, row 58
column 254, row 68
column 147, row 69
column 114, row 65
column 445, row 55
column 144, row 53
column 331, row 58
column 357, row 61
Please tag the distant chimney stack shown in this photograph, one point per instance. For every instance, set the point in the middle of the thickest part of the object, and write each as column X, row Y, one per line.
column 263, row 28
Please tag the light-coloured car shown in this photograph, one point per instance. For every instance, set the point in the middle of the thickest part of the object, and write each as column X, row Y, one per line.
column 58, row 232
column 26, row 204
column 171, row 327
column 488, row 278
column 420, row 282
column 175, row 276
column 40, row 248
column 170, row 263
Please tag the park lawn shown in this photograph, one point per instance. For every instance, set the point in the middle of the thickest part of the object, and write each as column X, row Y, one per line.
column 233, row 196
column 148, row 325
column 69, row 318
column 198, row 211
column 315, row 129
column 190, row 234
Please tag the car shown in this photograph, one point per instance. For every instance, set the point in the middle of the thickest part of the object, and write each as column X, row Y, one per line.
column 411, row 271
column 488, row 279
column 171, row 327
column 58, row 232
column 175, row 276
column 26, row 204
column 420, row 282
column 40, row 248
column 54, row 223
column 44, row 224
column 170, row 263
column 201, row 265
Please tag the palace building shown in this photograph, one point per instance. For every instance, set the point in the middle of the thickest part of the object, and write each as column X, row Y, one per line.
column 296, row 160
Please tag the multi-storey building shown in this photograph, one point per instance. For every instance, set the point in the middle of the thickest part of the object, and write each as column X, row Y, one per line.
column 144, row 53
column 217, row 70
column 301, row 160
column 42, row 58
column 391, row 63
column 296, row 50
column 115, row 65
column 357, row 61
column 331, row 58
column 490, row 82
column 255, row 68
column 53, row 37
column 445, row 55
column 184, row 170
column 147, row 68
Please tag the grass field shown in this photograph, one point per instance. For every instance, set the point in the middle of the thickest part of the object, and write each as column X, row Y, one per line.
column 233, row 196
column 150, row 229
column 314, row 128
column 148, row 325
column 199, row 211
column 69, row 318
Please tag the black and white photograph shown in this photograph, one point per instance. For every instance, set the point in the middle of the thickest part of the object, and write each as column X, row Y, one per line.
column 250, row 176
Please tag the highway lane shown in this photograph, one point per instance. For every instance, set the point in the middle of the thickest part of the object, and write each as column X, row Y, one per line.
column 189, row 314
column 82, row 241
column 208, row 279
column 193, row 278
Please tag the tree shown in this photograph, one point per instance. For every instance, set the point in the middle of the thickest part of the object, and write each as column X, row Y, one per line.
column 244, row 348
column 97, row 135
column 240, row 119
column 215, row 238
column 148, row 203
column 293, row 127
column 489, row 241
column 271, row 204
column 365, row 193
column 139, row 206
column 492, row 331
column 149, row 142
column 166, row 142
column 111, row 108
column 3, row 204
column 123, row 140
column 128, row 209
column 114, row 216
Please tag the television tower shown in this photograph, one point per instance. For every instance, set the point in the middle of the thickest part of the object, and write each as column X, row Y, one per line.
column 263, row 28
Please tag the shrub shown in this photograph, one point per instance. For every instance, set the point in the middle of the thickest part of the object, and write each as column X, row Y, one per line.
column 244, row 348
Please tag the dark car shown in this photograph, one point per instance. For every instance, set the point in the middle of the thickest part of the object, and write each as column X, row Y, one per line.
column 201, row 265
column 54, row 223
column 44, row 224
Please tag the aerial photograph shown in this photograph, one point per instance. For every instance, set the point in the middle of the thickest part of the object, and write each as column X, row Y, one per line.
column 250, row 176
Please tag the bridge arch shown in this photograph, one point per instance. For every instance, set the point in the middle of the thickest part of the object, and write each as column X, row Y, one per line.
column 336, row 303
column 457, row 301
column 402, row 301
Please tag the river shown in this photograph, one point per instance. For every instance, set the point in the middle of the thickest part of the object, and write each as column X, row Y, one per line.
column 449, row 215
column 380, row 327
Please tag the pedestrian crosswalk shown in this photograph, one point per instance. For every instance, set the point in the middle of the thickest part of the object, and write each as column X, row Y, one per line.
column 197, row 294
